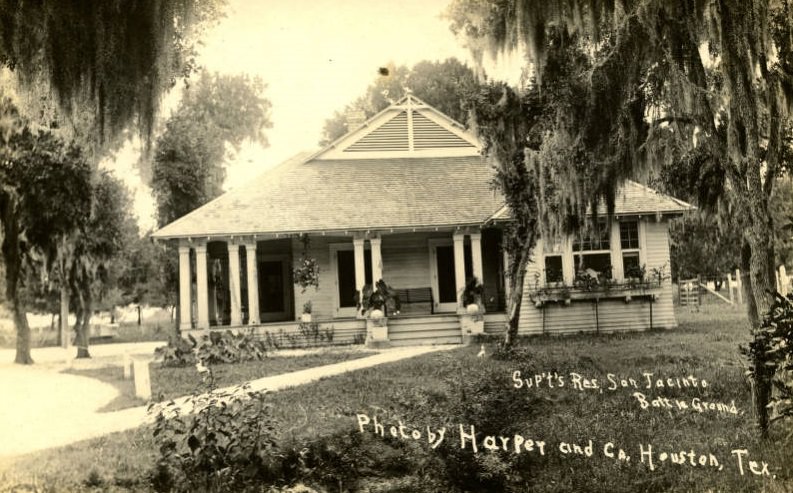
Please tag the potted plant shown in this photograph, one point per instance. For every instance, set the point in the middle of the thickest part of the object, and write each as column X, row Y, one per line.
column 306, row 316
column 306, row 272
column 375, row 305
column 472, row 320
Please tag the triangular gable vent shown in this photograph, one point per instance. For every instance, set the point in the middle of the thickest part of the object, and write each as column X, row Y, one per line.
column 391, row 136
column 429, row 135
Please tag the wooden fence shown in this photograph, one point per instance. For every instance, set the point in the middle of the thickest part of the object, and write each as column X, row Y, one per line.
column 691, row 291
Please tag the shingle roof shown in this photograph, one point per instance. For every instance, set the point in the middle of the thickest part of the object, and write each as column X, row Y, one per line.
column 633, row 198
column 354, row 194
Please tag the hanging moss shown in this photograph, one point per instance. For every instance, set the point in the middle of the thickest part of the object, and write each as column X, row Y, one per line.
column 113, row 58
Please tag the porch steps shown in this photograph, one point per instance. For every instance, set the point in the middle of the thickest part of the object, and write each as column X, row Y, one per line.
column 494, row 323
column 436, row 329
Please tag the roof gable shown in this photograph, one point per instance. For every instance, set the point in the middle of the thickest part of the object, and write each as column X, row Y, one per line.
column 408, row 128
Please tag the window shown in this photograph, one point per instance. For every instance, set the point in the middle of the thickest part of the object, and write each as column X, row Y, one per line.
column 629, row 240
column 553, row 269
column 596, row 238
column 629, row 234
column 592, row 251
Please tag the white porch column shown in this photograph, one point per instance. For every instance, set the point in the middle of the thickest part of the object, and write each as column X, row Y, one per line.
column 202, row 287
column 235, row 290
column 568, row 261
column 476, row 256
column 185, row 315
column 377, row 259
column 360, row 272
column 253, row 283
column 459, row 265
column 616, row 252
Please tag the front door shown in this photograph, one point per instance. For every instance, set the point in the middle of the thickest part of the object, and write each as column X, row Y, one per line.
column 274, row 301
column 342, row 261
column 444, row 288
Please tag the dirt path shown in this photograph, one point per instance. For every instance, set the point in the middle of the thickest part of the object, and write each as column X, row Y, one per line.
column 45, row 408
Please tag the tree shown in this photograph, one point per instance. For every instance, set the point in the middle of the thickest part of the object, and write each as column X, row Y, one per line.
column 42, row 198
column 115, row 58
column 215, row 112
column 439, row 84
column 101, row 236
column 665, row 81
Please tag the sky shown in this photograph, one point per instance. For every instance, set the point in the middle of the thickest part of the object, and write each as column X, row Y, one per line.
column 316, row 56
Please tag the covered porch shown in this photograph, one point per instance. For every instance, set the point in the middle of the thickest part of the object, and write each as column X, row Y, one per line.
column 247, row 282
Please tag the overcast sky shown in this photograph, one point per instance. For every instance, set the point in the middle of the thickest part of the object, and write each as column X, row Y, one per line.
column 315, row 56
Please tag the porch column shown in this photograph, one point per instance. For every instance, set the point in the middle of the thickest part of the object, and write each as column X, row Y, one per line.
column 235, row 290
column 568, row 261
column 377, row 259
column 360, row 272
column 185, row 315
column 253, row 283
column 476, row 256
column 616, row 252
column 459, row 265
column 202, row 286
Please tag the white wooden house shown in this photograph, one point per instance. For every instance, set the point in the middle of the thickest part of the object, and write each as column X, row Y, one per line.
column 405, row 197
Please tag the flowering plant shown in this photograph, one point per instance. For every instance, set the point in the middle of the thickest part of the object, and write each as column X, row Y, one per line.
column 306, row 273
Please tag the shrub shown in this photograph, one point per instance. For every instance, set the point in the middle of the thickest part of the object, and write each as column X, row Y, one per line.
column 217, row 347
column 227, row 444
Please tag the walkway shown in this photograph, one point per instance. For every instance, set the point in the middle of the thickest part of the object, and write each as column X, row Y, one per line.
column 46, row 408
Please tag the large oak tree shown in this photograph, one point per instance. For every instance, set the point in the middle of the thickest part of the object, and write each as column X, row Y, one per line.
column 665, row 80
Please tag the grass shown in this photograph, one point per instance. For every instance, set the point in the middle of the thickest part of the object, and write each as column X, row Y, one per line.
column 427, row 391
column 170, row 383
column 127, row 332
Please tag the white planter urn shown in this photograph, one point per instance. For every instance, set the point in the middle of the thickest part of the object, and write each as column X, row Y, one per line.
column 305, row 318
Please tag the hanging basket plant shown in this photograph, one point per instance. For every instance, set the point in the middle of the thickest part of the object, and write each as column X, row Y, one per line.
column 306, row 273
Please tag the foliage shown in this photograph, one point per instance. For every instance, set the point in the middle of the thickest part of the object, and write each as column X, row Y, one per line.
column 472, row 292
column 44, row 196
column 307, row 271
column 307, row 307
column 217, row 347
column 648, row 96
column 117, row 58
column 217, row 112
column 382, row 297
column 770, row 353
column 443, row 85
column 227, row 444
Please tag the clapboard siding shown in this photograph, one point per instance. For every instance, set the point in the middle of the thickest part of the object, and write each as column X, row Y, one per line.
column 612, row 314
column 406, row 259
column 322, row 300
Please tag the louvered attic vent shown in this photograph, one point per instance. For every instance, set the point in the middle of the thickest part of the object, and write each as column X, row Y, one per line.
column 429, row 135
column 391, row 136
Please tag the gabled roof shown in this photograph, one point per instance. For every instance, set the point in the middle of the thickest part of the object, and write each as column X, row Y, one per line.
column 408, row 167
column 407, row 128
column 632, row 199
column 346, row 195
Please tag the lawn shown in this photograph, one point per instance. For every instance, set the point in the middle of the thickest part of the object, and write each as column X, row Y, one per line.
column 170, row 383
column 453, row 388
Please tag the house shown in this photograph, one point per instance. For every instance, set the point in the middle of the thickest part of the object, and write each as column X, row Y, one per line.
column 405, row 197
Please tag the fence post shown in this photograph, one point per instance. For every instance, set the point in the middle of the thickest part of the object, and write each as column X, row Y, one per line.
column 739, row 286
column 783, row 281
column 140, row 368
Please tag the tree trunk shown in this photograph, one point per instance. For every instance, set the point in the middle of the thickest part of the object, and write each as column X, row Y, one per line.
column 759, row 302
column 82, row 325
column 516, row 279
column 13, row 267
column 65, row 334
